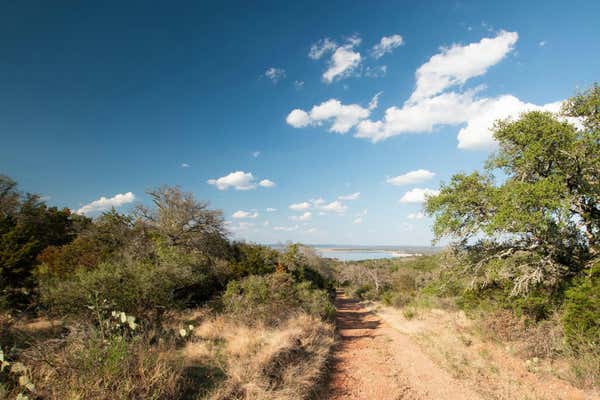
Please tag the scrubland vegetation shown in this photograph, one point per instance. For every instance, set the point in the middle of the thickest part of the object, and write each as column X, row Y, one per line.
column 155, row 304
column 524, row 260
column 160, row 304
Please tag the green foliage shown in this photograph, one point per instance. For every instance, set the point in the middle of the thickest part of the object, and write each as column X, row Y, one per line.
column 133, row 287
column 581, row 319
column 252, row 259
column 539, row 226
column 27, row 226
column 272, row 298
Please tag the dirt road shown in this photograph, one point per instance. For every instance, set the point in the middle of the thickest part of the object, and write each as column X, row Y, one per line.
column 382, row 355
column 375, row 361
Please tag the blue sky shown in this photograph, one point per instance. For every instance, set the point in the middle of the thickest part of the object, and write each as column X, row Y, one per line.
column 107, row 100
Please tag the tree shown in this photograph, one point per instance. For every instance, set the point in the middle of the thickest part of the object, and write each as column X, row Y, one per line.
column 533, row 216
column 27, row 226
column 185, row 222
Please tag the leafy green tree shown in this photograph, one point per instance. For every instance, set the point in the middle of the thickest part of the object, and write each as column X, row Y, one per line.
column 27, row 226
column 533, row 216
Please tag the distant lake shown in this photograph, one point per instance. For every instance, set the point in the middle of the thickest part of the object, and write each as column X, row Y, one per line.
column 365, row 252
column 356, row 255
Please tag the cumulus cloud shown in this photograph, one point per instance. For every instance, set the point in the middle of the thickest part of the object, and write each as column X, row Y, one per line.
column 275, row 74
column 418, row 195
column 438, row 98
column 266, row 183
column 456, row 64
column 105, row 203
column 298, row 84
column 335, row 206
column 477, row 134
column 300, row 206
column 358, row 220
column 352, row 196
column 386, row 45
column 185, row 165
column 344, row 59
column 411, row 177
column 343, row 116
column 271, row 209
column 240, row 214
column 255, row 154
column 322, row 47
column 239, row 180
column 304, row 217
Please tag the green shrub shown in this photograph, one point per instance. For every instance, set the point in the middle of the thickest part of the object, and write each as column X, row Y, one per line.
column 272, row 298
column 133, row 287
column 581, row 318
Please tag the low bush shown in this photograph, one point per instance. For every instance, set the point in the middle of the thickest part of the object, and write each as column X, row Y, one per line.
column 272, row 298
column 581, row 317
column 133, row 287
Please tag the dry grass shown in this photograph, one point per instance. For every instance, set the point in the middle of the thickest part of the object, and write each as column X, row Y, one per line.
column 261, row 362
column 85, row 366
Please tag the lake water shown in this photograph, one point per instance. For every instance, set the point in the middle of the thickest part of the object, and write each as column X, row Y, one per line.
column 357, row 255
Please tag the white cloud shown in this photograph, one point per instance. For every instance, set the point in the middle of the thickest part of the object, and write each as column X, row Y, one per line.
column 344, row 59
column 270, row 209
column 418, row 195
column 322, row 47
column 275, row 74
column 335, row 206
column 542, row 43
column 286, row 228
column 352, row 196
column 344, row 116
column 417, row 215
column 432, row 104
column 446, row 109
column 374, row 101
column 300, row 206
column 185, row 165
column 386, row 45
column 298, row 84
column 358, row 220
column 477, row 134
column 239, row 180
column 240, row 214
column 104, row 203
column 304, row 217
column 267, row 183
column 255, row 154
column 411, row 177
column 456, row 64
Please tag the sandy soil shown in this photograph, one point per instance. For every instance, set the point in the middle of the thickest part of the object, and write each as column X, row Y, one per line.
column 382, row 355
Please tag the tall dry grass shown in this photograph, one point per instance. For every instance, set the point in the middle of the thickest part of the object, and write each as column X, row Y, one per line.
column 285, row 362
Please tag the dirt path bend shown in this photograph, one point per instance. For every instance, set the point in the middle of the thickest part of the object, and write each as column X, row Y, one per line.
column 375, row 361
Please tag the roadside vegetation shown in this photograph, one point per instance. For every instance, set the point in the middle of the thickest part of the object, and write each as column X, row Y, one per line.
column 524, row 259
column 155, row 304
